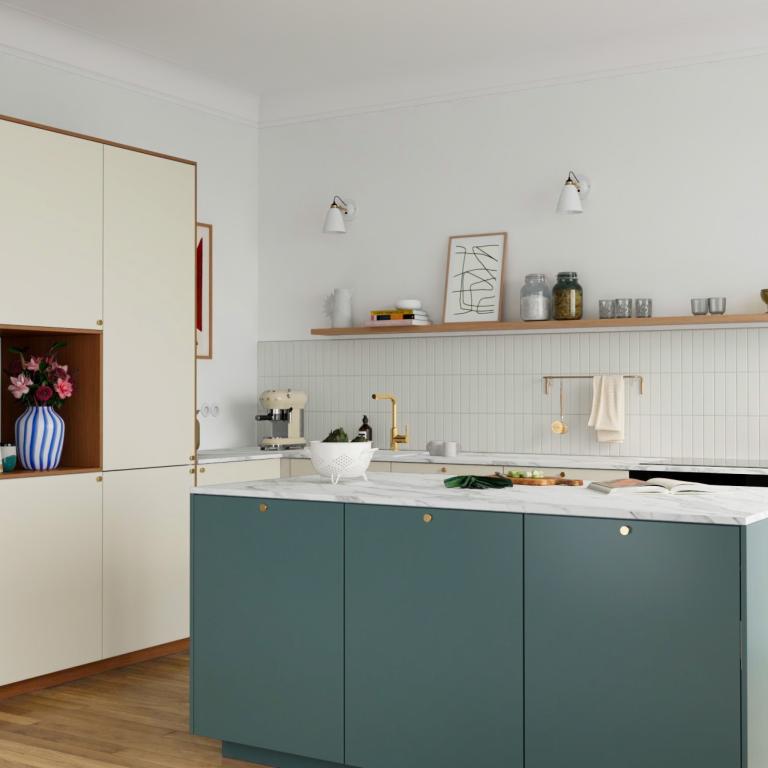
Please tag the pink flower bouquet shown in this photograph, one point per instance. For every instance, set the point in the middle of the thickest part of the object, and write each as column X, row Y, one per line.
column 40, row 380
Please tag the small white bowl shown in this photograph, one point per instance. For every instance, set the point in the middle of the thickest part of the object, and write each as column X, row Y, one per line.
column 408, row 304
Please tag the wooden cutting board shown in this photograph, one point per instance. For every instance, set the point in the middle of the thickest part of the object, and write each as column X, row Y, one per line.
column 544, row 481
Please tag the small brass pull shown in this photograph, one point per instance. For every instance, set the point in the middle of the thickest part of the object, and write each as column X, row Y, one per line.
column 625, row 530
column 99, row 478
column 191, row 470
column 562, row 474
column 99, row 322
column 192, row 458
column 427, row 518
column 202, row 469
column 263, row 507
column 443, row 469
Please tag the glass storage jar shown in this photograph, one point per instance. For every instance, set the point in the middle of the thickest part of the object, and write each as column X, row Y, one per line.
column 535, row 298
column 568, row 297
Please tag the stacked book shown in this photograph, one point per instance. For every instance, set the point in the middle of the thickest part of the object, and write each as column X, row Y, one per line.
column 397, row 317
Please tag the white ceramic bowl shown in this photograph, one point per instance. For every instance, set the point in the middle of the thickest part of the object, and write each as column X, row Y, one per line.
column 341, row 461
column 408, row 304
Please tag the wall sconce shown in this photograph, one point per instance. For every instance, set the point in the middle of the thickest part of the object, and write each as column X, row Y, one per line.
column 338, row 214
column 574, row 191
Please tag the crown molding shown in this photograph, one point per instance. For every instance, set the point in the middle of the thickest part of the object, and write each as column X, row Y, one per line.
column 32, row 38
column 484, row 92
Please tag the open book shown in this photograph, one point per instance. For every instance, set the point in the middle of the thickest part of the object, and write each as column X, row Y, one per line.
column 654, row 485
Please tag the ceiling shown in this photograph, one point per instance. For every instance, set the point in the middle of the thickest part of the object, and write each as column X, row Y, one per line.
column 269, row 46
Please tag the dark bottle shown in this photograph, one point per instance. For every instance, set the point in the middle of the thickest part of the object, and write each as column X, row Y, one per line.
column 366, row 429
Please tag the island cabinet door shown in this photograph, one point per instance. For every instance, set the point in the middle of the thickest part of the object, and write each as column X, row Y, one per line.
column 632, row 656
column 433, row 638
column 267, row 624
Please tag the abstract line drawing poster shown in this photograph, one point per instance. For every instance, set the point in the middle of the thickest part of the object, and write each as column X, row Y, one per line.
column 203, row 291
column 474, row 281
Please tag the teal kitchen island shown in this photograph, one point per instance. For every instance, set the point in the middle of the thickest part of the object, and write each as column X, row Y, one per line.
column 398, row 624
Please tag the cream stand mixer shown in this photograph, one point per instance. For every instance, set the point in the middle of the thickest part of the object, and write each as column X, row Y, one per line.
column 285, row 413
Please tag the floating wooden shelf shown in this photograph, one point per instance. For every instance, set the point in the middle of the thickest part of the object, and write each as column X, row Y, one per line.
column 81, row 414
column 547, row 325
column 21, row 473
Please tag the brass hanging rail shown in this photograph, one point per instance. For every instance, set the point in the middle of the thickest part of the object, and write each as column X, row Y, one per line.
column 549, row 379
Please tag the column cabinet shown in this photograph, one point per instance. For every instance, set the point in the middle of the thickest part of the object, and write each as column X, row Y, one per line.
column 50, row 574
column 434, row 653
column 149, row 325
column 632, row 638
column 51, row 225
column 146, row 558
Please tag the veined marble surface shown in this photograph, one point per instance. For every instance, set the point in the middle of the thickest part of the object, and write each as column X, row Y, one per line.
column 727, row 505
column 626, row 463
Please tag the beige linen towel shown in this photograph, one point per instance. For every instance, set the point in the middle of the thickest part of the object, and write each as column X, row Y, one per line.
column 607, row 416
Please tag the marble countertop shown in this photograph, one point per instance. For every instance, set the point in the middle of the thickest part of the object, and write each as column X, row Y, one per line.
column 625, row 463
column 727, row 505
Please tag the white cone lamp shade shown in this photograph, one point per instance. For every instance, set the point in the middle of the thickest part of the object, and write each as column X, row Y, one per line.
column 334, row 221
column 570, row 199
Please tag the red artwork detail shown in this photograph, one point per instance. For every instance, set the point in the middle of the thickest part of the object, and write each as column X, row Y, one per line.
column 199, row 286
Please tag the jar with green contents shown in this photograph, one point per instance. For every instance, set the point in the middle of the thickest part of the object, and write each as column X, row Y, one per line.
column 568, row 297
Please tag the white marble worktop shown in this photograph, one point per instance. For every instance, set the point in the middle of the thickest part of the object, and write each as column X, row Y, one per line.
column 625, row 463
column 727, row 505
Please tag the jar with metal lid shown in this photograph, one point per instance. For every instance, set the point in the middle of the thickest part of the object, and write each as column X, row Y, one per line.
column 535, row 298
column 568, row 297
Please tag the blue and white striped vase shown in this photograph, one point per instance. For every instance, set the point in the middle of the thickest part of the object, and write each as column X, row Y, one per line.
column 39, row 438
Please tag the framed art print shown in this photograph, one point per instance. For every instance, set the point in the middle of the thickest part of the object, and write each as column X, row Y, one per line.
column 204, row 292
column 474, row 278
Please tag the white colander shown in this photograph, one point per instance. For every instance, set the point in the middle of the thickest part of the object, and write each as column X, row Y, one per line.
column 340, row 461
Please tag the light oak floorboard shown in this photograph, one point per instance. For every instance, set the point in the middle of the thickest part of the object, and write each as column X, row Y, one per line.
column 135, row 717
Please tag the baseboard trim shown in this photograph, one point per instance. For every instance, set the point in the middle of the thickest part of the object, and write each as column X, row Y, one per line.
column 93, row 668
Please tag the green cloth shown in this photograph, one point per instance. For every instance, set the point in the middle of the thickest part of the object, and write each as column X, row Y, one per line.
column 475, row 481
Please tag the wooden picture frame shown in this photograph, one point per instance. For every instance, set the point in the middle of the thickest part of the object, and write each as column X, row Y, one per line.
column 474, row 278
column 204, row 292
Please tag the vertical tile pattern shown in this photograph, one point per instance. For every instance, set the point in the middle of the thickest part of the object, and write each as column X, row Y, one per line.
column 706, row 390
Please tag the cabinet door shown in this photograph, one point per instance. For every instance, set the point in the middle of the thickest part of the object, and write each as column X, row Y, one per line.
column 631, row 644
column 237, row 471
column 267, row 636
column 50, row 574
column 51, row 224
column 149, row 301
column 443, row 469
column 434, row 670
column 146, row 558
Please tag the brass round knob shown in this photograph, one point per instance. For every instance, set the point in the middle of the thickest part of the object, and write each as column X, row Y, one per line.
column 202, row 469
column 99, row 322
column 263, row 507
column 99, row 478
column 443, row 469
column 562, row 474
column 191, row 470
column 427, row 518
column 192, row 458
column 625, row 530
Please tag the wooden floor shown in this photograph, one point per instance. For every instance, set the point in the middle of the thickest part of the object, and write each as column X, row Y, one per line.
column 134, row 717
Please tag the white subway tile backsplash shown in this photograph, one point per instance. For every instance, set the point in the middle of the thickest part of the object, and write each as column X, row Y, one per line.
column 706, row 390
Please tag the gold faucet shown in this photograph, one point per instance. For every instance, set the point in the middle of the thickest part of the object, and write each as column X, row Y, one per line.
column 395, row 437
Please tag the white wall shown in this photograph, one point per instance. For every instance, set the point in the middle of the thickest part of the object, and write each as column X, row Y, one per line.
column 678, row 164
column 226, row 152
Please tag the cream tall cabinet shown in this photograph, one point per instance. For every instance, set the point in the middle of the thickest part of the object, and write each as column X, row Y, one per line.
column 146, row 558
column 50, row 574
column 95, row 564
column 149, row 322
column 51, row 225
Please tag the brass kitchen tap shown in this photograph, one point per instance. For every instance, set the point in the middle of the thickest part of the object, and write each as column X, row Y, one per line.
column 395, row 437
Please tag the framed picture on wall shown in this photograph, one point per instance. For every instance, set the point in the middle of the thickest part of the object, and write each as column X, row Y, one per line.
column 204, row 291
column 474, row 278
